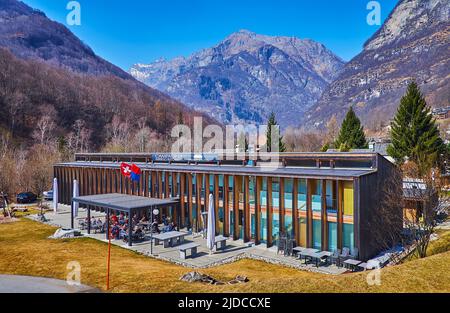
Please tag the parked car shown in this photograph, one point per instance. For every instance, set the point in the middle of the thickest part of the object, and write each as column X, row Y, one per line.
column 26, row 197
column 48, row 195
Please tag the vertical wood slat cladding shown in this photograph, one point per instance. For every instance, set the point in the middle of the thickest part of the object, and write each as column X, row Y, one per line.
column 81, row 182
column 166, row 185
column 324, row 234
column 173, row 193
column 174, row 184
column 190, row 196
column 160, row 185
column 247, row 219
column 295, row 223
column 66, row 187
column 226, row 207
column 216, row 201
column 258, row 184
column 236, row 191
column 269, row 211
column 145, row 184
column 309, row 230
column 182, row 199
column 206, row 201
column 281, row 208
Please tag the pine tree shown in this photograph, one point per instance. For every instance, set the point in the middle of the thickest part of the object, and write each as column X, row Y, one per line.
column 351, row 135
column 272, row 122
column 414, row 133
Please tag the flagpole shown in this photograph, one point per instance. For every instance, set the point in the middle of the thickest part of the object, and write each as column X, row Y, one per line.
column 108, row 259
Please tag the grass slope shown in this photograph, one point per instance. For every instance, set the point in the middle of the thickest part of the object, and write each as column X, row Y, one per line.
column 25, row 250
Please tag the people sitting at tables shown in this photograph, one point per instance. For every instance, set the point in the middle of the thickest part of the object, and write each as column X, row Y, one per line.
column 169, row 227
column 99, row 224
column 114, row 219
column 123, row 231
column 143, row 219
column 93, row 223
column 165, row 220
column 122, row 219
column 155, row 228
column 135, row 219
column 115, row 230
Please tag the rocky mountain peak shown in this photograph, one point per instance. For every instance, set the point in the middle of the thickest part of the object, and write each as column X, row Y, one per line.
column 408, row 19
column 246, row 76
column 412, row 44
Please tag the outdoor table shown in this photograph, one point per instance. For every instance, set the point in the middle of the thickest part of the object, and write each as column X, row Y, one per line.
column 297, row 250
column 363, row 266
column 307, row 252
column 319, row 256
column 168, row 238
column 220, row 242
column 351, row 263
column 145, row 225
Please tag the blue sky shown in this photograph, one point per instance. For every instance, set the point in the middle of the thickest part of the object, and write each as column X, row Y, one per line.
column 128, row 32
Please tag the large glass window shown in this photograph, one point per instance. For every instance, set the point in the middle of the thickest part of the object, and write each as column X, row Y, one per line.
column 331, row 214
column 221, row 205
column 251, row 199
column 194, row 199
column 231, row 201
column 276, row 210
column 288, row 225
column 316, row 187
column 301, row 207
column 263, row 215
column 348, row 204
column 241, row 207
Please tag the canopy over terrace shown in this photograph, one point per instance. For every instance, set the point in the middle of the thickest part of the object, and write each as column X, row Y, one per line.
column 122, row 203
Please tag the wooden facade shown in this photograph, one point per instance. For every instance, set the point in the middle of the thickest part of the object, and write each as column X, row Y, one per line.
column 253, row 206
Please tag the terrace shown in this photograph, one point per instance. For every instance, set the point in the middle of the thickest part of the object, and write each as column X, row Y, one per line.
column 234, row 250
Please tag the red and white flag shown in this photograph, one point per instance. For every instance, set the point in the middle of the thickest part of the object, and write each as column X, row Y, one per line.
column 125, row 169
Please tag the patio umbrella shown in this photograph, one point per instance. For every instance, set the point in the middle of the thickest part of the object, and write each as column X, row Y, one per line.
column 76, row 193
column 211, row 229
column 55, row 194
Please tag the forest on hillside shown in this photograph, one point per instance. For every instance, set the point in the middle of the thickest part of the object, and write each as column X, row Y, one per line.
column 80, row 111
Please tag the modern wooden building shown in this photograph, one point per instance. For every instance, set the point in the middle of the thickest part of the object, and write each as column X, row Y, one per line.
column 323, row 200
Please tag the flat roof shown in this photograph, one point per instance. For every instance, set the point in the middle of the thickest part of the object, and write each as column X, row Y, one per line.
column 288, row 171
column 123, row 202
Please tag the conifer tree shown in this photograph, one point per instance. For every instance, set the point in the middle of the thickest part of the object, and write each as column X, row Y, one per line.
column 351, row 135
column 272, row 122
column 414, row 133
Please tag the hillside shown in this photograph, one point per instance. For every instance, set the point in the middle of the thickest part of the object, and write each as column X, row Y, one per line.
column 45, row 69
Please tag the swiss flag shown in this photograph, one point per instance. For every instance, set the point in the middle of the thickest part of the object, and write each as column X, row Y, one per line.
column 125, row 169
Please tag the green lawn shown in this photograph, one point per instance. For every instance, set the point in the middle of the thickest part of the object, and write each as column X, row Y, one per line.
column 25, row 250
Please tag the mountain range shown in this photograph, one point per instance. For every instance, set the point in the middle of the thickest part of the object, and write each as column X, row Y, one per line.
column 412, row 44
column 247, row 76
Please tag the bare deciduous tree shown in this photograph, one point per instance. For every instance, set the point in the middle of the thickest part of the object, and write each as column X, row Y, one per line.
column 45, row 126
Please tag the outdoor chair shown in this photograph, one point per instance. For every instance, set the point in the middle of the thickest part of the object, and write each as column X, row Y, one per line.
column 281, row 245
column 345, row 255
column 82, row 224
column 98, row 227
column 290, row 244
column 354, row 254
column 334, row 258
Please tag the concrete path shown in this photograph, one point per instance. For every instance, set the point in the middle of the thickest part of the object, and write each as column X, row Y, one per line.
column 30, row 284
